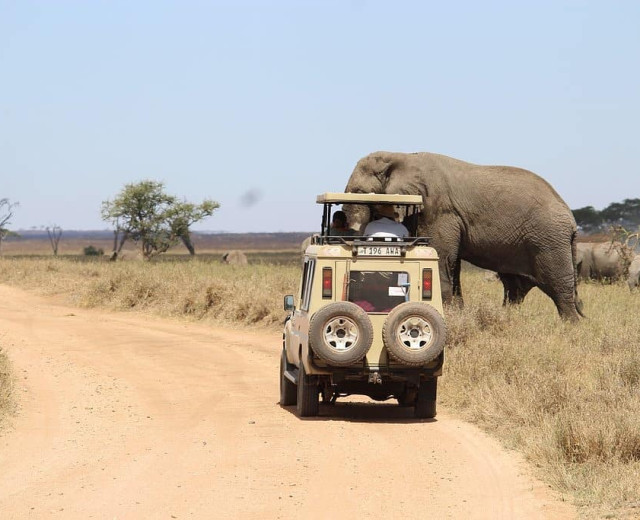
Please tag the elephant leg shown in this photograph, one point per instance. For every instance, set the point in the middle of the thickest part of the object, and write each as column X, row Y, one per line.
column 556, row 278
column 581, row 269
column 516, row 287
column 566, row 305
column 445, row 239
column 457, row 287
column 450, row 280
column 446, row 284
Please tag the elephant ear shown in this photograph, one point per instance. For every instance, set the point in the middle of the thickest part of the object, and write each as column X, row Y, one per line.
column 381, row 168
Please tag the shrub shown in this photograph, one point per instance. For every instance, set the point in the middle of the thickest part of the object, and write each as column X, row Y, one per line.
column 6, row 387
column 92, row 251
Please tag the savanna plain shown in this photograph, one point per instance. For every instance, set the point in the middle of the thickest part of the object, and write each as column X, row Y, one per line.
column 566, row 396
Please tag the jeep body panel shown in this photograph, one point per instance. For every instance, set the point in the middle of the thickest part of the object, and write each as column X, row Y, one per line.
column 340, row 259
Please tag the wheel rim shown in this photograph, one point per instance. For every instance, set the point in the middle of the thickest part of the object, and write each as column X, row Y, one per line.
column 415, row 333
column 341, row 333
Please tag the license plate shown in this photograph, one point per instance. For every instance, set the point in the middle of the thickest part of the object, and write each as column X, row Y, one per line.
column 378, row 251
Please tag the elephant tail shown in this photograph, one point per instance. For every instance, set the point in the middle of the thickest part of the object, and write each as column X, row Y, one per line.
column 578, row 302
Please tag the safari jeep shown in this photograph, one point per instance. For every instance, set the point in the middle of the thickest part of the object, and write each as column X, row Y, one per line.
column 367, row 318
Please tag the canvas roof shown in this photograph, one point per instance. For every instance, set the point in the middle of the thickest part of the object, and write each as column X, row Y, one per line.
column 368, row 198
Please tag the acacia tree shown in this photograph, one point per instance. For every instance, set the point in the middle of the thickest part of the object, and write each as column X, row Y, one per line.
column 185, row 214
column 119, row 238
column 143, row 212
column 54, row 233
column 6, row 213
column 627, row 211
column 588, row 218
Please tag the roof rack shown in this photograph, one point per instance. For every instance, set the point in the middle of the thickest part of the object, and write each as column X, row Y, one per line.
column 368, row 198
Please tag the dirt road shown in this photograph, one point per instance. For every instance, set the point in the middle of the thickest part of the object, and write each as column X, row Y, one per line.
column 127, row 416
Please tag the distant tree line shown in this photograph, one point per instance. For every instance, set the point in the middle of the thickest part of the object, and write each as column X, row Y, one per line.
column 625, row 213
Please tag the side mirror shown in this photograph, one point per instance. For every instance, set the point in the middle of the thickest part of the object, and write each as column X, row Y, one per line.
column 288, row 302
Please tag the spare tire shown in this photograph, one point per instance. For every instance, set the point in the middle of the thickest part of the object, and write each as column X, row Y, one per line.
column 414, row 333
column 340, row 333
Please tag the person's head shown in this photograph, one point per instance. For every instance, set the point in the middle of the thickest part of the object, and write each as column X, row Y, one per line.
column 384, row 210
column 339, row 220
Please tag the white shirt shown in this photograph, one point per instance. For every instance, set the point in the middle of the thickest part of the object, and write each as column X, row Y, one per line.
column 385, row 227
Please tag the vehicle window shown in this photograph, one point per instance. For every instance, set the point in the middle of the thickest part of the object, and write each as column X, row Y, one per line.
column 307, row 280
column 377, row 291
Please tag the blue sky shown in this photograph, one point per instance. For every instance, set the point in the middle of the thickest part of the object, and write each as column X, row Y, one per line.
column 262, row 105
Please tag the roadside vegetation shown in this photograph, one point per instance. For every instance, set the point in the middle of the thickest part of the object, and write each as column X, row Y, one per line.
column 6, row 388
column 566, row 396
column 195, row 289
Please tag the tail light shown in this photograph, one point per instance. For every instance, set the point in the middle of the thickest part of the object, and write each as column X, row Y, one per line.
column 427, row 283
column 327, row 282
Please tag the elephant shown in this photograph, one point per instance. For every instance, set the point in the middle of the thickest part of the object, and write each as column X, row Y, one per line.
column 235, row 257
column 634, row 273
column 500, row 218
column 599, row 261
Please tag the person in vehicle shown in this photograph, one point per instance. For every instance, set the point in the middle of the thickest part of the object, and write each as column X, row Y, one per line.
column 384, row 223
column 339, row 226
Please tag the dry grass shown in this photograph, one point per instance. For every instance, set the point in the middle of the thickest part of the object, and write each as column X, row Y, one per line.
column 567, row 396
column 6, row 387
column 194, row 289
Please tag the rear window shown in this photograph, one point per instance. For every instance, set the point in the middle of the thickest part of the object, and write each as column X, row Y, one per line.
column 377, row 291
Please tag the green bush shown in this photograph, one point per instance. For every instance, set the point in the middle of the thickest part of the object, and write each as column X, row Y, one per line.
column 92, row 251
